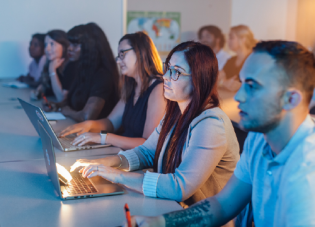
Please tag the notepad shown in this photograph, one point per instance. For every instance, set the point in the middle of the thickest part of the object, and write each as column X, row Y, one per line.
column 54, row 116
column 15, row 84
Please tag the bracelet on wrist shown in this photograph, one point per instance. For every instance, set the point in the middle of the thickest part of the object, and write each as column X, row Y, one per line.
column 120, row 162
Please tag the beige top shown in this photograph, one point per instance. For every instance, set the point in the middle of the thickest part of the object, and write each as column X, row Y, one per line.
column 209, row 158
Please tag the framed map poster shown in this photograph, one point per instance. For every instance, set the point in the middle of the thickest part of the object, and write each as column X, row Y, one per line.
column 162, row 27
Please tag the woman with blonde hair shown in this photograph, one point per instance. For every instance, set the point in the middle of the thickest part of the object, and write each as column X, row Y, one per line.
column 241, row 41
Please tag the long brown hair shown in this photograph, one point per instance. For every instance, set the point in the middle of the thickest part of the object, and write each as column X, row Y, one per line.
column 60, row 37
column 204, row 72
column 149, row 64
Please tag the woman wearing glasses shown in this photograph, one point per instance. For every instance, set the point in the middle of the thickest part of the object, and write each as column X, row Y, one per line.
column 141, row 106
column 194, row 149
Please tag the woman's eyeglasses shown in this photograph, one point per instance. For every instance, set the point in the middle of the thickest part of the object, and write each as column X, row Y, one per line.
column 174, row 73
column 122, row 53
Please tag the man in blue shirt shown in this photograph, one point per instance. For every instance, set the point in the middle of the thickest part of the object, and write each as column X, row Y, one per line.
column 277, row 168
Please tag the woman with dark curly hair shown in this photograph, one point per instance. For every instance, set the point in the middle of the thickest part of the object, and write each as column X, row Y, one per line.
column 94, row 92
column 141, row 106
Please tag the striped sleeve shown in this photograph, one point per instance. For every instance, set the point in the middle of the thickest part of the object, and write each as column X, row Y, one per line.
column 150, row 184
column 132, row 159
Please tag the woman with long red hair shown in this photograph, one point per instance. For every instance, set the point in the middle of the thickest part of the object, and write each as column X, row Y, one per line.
column 194, row 149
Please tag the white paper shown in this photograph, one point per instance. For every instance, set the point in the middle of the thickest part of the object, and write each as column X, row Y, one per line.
column 54, row 116
column 15, row 84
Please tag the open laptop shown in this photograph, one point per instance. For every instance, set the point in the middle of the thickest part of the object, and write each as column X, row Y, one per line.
column 73, row 185
column 35, row 113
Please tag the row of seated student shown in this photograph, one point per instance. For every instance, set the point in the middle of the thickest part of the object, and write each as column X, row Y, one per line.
column 80, row 72
column 141, row 106
column 187, row 167
column 194, row 150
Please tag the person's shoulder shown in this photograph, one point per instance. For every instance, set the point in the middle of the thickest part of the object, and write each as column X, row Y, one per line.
column 156, row 81
column 210, row 116
column 232, row 59
column 304, row 154
column 158, row 86
column 299, row 169
column 225, row 54
column 157, row 92
column 43, row 59
column 253, row 146
column 32, row 63
column 101, row 74
column 215, row 112
column 255, row 139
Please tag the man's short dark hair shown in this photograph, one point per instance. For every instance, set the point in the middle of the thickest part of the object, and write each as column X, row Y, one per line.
column 297, row 62
column 214, row 30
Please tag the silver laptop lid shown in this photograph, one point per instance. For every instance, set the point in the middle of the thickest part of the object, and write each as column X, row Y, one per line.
column 49, row 156
column 36, row 114
column 104, row 188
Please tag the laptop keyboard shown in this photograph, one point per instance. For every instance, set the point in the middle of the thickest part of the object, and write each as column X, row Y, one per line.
column 80, row 185
column 66, row 142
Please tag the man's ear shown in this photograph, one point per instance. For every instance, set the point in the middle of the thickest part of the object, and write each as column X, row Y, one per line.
column 292, row 98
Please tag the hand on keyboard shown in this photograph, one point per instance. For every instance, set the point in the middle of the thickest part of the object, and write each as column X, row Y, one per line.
column 88, row 137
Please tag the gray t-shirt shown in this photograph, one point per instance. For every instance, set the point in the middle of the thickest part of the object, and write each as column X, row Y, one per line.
column 283, row 187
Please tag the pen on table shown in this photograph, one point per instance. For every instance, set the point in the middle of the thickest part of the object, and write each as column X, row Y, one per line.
column 44, row 97
column 128, row 217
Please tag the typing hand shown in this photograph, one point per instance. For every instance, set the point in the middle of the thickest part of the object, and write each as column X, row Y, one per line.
column 88, row 137
column 79, row 129
column 141, row 221
column 106, row 172
column 83, row 163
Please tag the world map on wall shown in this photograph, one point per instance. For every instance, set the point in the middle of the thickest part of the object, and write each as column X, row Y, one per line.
column 163, row 28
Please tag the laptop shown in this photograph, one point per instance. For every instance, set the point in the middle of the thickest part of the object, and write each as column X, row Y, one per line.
column 73, row 185
column 35, row 113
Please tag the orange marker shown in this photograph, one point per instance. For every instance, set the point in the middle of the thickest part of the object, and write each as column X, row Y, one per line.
column 49, row 106
column 128, row 217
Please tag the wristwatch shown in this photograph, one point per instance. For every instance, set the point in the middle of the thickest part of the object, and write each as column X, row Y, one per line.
column 103, row 136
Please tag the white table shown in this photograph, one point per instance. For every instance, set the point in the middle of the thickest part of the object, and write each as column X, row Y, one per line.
column 20, row 141
column 9, row 95
column 27, row 195
column 27, row 198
